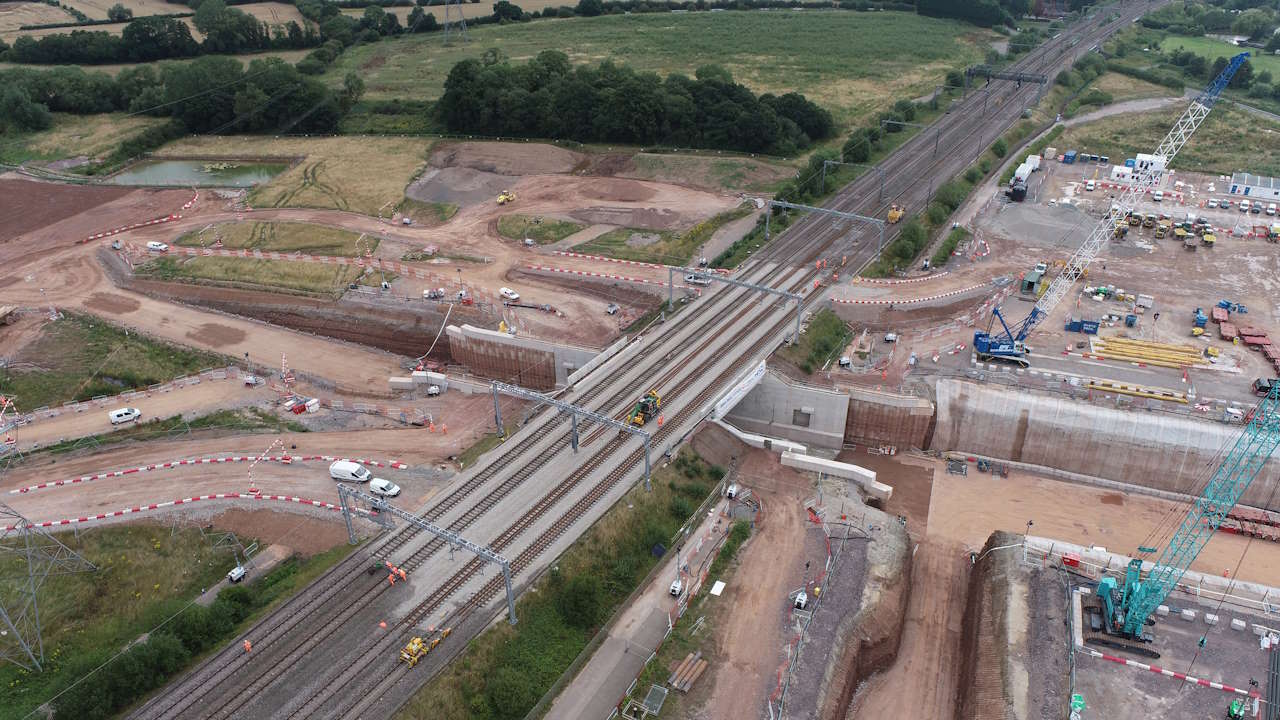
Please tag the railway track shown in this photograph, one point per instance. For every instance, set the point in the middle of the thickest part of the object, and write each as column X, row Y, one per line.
column 346, row 691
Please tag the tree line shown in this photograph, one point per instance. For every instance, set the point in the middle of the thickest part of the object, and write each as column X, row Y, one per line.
column 550, row 98
column 156, row 37
column 207, row 95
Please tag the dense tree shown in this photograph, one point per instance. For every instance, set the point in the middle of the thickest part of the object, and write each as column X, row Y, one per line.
column 590, row 8
column 504, row 11
column 19, row 112
column 119, row 13
column 548, row 97
column 155, row 38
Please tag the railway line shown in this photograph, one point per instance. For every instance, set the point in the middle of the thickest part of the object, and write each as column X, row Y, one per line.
column 319, row 655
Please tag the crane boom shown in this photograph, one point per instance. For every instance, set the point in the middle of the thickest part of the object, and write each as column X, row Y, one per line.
column 1145, row 177
column 1251, row 450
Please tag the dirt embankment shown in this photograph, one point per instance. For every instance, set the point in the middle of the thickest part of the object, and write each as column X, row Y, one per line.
column 982, row 673
column 394, row 330
column 867, row 641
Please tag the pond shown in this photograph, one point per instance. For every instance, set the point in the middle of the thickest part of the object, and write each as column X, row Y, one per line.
column 185, row 173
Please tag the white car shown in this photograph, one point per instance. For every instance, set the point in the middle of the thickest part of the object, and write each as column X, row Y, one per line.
column 433, row 390
column 385, row 488
column 157, row 246
column 509, row 294
column 236, row 574
column 124, row 415
column 1212, row 203
column 1090, row 185
column 697, row 279
column 1157, row 196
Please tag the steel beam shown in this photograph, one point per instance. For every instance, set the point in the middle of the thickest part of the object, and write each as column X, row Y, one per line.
column 382, row 505
column 574, row 411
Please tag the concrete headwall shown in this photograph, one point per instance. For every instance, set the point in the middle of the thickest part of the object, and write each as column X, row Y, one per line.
column 780, row 407
column 1155, row 450
column 528, row 362
column 888, row 418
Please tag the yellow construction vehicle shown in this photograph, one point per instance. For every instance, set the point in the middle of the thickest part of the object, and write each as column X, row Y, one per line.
column 1162, row 228
column 1149, row 220
column 414, row 651
column 1208, row 239
column 646, row 409
column 896, row 212
column 1120, row 231
column 418, row 648
column 506, row 196
column 1135, row 219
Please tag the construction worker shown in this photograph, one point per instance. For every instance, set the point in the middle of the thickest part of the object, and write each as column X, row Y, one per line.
column 391, row 577
column 248, row 646
column 403, row 575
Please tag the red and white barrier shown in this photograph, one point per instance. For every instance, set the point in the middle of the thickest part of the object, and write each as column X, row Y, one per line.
column 135, row 226
column 284, row 459
column 637, row 263
column 912, row 301
column 174, row 503
column 886, row 281
column 1170, row 673
column 603, row 276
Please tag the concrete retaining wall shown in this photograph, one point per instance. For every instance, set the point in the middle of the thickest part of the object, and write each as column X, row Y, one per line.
column 528, row 362
column 780, row 407
column 760, row 441
column 879, row 417
column 1163, row 452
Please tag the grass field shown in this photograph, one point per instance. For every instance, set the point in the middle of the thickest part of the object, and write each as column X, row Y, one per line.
column 426, row 213
column 545, row 232
column 282, row 237
column 1230, row 140
column 659, row 246
column 71, row 136
column 469, row 10
column 1214, row 49
column 80, row 356
column 852, row 63
column 366, row 175
column 220, row 422
column 722, row 173
column 304, row 278
column 146, row 573
column 1123, row 87
column 825, row 334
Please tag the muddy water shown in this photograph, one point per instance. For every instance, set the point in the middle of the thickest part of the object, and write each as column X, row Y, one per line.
column 186, row 173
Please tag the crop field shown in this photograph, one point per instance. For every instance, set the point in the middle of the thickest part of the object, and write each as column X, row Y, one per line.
column 74, row 135
column 14, row 15
column 297, row 277
column 852, row 63
column 97, row 9
column 79, row 357
column 469, row 10
column 366, row 175
column 1230, row 140
column 282, row 237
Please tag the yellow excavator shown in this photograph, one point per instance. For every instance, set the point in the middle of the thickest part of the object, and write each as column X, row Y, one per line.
column 896, row 212
column 506, row 196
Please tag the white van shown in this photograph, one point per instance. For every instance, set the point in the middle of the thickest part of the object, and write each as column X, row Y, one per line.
column 1244, row 206
column 1271, row 209
column 345, row 470
column 157, row 246
column 124, row 415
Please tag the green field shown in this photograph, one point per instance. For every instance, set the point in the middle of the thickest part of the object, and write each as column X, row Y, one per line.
column 80, row 356
column 852, row 63
column 282, row 237
column 306, row 278
column 660, row 246
column 220, row 422
column 1231, row 140
column 540, row 230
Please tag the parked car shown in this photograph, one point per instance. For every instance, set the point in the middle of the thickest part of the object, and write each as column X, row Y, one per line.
column 1271, row 209
column 1090, row 185
column 1256, row 208
column 236, row 574
column 345, row 470
column 1244, row 206
column 157, row 246
column 385, row 488
column 1212, row 203
column 697, row 279
column 1157, row 196
column 612, row 309
column 124, row 415
column 508, row 294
